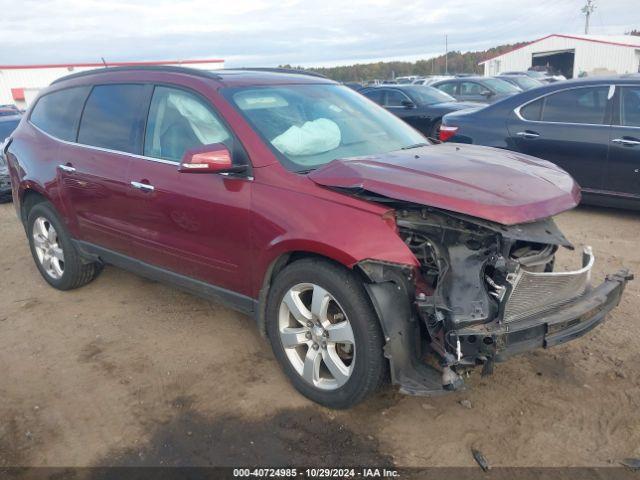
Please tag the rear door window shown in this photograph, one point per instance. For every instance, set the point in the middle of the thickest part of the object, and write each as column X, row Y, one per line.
column 113, row 118
column 449, row 88
column 179, row 121
column 58, row 113
column 578, row 105
column 630, row 107
column 471, row 88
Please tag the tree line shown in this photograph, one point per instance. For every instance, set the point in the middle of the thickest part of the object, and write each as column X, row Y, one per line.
column 456, row 62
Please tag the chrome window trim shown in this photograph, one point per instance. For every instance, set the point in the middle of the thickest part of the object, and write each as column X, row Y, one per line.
column 102, row 149
column 118, row 152
column 519, row 115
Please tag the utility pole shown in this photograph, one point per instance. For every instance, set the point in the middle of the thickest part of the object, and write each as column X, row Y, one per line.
column 446, row 54
column 588, row 10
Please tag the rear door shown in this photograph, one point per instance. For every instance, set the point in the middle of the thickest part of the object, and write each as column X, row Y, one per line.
column 449, row 87
column 94, row 168
column 194, row 224
column 569, row 128
column 623, row 166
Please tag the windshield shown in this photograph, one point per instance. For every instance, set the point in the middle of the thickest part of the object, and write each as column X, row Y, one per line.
column 500, row 86
column 428, row 95
column 310, row 125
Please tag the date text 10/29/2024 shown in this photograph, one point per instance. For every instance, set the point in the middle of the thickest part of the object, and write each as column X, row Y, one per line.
column 315, row 473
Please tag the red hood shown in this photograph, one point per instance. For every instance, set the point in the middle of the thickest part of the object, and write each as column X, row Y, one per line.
column 489, row 183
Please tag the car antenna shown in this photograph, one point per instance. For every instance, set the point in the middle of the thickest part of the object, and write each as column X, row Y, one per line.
column 104, row 62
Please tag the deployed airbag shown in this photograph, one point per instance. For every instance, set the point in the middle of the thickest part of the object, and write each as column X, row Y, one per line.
column 318, row 136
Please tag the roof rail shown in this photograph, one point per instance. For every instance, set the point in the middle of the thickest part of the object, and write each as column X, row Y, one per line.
column 190, row 71
column 162, row 68
column 295, row 71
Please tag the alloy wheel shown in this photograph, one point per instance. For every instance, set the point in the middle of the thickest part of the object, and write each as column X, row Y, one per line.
column 48, row 249
column 317, row 336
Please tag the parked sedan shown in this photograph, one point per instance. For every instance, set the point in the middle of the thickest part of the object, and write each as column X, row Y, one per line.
column 523, row 82
column 421, row 107
column 477, row 89
column 589, row 127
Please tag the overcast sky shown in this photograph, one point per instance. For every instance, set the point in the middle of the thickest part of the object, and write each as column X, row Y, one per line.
column 298, row 32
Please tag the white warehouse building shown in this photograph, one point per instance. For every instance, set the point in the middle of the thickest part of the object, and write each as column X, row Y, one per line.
column 20, row 84
column 572, row 55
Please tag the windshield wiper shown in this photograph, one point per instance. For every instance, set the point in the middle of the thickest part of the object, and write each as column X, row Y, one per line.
column 416, row 145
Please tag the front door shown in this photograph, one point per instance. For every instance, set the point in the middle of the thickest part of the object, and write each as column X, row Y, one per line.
column 194, row 224
column 623, row 166
column 404, row 107
column 569, row 128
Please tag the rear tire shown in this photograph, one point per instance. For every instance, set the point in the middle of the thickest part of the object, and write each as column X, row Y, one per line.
column 56, row 257
column 334, row 342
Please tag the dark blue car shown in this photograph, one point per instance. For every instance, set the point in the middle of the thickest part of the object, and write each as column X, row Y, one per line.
column 589, row 127
column 420, row 106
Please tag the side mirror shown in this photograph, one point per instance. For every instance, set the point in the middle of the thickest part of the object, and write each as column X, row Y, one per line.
column 486, row 93
column 408, row 104
column 214, row 158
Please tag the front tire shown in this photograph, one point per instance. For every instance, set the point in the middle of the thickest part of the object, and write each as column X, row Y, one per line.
column 325, row 333
column 55, row 255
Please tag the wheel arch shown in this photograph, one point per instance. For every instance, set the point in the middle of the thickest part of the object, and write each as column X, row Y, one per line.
column 276, row 266
column 29, row 196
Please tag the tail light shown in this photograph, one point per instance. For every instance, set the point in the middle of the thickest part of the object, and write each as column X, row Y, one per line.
column 446, row 132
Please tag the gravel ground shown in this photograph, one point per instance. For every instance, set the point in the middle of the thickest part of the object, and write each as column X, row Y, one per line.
column 130, row 372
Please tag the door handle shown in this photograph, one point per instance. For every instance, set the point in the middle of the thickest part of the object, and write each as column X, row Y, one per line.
column 626, row 142
column 66, row 168
column 142, row 186
column 528, row 134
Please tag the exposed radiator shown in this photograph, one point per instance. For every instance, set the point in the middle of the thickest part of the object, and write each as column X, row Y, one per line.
column 535, row 293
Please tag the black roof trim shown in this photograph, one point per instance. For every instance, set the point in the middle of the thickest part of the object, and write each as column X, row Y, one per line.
column 153, row 68
column 191, row 71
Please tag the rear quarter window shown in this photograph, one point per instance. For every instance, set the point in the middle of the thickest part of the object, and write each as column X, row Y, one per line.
column 449, row 88
column 58, row 113
column 532, row 111
column 114, row 117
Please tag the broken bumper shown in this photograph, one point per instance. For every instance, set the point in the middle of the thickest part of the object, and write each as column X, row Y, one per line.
column 502, row 340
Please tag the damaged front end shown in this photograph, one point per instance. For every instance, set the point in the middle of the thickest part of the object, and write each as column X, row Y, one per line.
column 483, row 292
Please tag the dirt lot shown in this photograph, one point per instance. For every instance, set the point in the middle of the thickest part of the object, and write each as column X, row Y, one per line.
column 126, row 371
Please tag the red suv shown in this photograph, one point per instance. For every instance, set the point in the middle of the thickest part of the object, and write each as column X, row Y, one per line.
column 361, row 249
